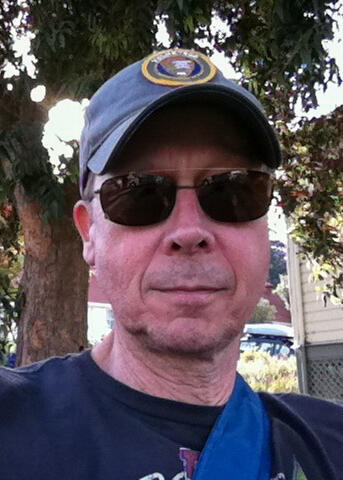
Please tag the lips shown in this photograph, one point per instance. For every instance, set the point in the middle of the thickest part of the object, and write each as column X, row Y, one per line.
column 190, row 289
column 185, row 295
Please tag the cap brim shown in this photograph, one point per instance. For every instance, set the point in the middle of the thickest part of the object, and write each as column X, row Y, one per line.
column 246, row 110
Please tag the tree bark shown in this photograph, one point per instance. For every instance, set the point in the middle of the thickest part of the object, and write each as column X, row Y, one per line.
column 54, row 283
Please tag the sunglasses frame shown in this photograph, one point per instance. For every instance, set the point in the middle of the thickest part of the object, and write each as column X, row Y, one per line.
column 133, row 179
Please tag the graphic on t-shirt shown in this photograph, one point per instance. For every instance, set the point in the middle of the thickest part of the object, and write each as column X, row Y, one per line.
column 189, row 459
column 159, row 476
column 298, row 473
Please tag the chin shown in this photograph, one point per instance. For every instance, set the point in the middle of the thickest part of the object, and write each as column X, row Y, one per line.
column 188, row 340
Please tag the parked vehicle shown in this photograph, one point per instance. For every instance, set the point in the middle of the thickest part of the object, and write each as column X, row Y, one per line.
column 274, row 338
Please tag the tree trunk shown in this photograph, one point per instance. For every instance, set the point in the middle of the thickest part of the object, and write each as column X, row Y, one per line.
column 54, row 283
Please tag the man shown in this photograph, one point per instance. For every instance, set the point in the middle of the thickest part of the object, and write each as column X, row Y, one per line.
column 176, row 179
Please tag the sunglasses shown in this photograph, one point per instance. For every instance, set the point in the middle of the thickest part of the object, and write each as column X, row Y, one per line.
column 140, row 199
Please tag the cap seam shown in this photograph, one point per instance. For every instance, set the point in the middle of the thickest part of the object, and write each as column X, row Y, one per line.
column 96, row 148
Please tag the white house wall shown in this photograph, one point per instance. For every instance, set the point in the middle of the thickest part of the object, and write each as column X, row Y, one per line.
column 316, row 324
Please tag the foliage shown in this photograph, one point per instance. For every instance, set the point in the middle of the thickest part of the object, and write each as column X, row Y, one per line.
column 269, row 374
column 188, row 22
column 264, row 312
column 311, row 189
column 80, row 43
column 277, row 262
column 11, row 262
column 9, row 10
column 10, row 299
column 8, row 355
column 77, row 46
column 278, row 46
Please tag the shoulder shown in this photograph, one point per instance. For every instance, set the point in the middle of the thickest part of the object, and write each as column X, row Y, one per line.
column 21, row 384
column 308, row 415
column 309, row 408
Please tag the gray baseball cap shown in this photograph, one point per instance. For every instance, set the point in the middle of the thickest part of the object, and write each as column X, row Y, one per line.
column 127, row 99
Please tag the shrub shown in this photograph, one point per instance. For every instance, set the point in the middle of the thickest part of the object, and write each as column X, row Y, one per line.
column 265, row 312
column 269, row 374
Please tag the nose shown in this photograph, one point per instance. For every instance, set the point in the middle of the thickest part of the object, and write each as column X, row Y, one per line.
column 188, row 227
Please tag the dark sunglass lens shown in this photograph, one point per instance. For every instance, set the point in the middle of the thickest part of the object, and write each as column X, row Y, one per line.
column 143, row 201
column 236, row 196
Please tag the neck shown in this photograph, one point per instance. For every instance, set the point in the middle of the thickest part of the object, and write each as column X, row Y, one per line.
column 197, row 381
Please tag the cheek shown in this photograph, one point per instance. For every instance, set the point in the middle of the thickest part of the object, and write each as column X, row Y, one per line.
column 120, row 262
column 248, row 251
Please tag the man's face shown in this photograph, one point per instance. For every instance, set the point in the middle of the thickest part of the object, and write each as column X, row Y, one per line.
column 187, row 285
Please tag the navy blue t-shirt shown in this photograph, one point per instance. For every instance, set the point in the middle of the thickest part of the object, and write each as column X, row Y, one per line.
column 66, row 419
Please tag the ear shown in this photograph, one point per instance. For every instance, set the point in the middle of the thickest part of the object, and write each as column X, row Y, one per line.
column 83, row 222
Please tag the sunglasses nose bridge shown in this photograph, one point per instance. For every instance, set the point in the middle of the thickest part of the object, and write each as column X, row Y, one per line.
column 187, row 206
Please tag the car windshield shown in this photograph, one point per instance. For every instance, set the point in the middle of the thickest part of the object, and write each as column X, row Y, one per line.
column 273, row 347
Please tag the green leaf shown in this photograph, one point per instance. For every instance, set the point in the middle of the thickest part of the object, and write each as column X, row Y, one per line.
column 189, row 24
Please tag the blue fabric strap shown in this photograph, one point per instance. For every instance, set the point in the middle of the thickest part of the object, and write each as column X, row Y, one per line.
column 238, row 447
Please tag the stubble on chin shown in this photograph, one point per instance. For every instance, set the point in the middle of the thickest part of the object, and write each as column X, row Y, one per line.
column 187, row 342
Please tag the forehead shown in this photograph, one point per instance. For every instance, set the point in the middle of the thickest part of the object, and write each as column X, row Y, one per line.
column 191, row 134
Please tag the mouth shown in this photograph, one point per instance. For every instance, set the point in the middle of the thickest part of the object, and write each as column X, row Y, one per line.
column 185, row 297
column 189, row 288
column 189, row 294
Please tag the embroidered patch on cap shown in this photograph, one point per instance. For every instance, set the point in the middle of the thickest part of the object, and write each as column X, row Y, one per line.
column 178, row 67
